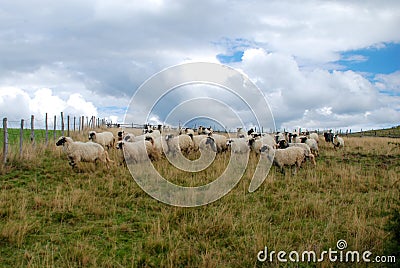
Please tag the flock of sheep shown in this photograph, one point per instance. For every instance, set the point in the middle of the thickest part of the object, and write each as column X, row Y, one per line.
column 283, row 149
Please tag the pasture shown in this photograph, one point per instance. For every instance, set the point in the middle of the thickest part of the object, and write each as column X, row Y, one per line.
column 51, row 216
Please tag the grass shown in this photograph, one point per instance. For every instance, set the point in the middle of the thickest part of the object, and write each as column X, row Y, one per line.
column 51, row 216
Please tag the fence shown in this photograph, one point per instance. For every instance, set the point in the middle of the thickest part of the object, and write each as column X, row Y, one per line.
column 42, row 129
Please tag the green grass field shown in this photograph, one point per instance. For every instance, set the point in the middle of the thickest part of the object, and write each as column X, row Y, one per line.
column 51, row 216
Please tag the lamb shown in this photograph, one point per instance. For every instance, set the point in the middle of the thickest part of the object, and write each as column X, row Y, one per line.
column 284, row 157
column 220, row 142
column 238, row 145
column 312, row 143
column 182, row 142
column 83, row 151
column 307, row 151
column 106, row 139
column 137, row 152
column 256, row 144
column 338, row 142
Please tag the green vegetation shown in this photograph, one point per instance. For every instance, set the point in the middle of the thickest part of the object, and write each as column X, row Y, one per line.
column 51, row 216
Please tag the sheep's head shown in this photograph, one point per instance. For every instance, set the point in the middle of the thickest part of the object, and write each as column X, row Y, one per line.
column 120, row 133
column 283, row 144
column 92, row 135
column 303, row 139
column 150, row 139
column 61, row 141
column 212, row 144
column 119, row 145
column 251, row 142
column 265, row 149
column 229, row 142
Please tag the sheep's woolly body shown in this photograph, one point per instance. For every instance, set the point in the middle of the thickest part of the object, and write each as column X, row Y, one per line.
column 307, row 151
column 83, row 151
column 313, row 146
column 256, row 144
column 197, row 139
column 220, row 142
column 137, row 152
column 238, row 145
column 106, row 139
column 285, row 157
column 182, row 142
column 314, row 136
column 338, row 142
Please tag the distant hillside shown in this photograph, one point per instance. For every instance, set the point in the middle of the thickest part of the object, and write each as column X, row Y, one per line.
column 393, row 132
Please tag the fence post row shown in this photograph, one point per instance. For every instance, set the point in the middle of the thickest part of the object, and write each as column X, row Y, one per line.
column 21, row 137
column 5, row 145
column 32, row 129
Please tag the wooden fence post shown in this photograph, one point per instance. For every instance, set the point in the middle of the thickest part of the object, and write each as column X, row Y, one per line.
column 68, row 125
column 47, row 130
column 83, row 122
column 74, row 122
column 5, row 145
column 55, row 124
column 62, row 124
column 21, row 137
column 32, row 129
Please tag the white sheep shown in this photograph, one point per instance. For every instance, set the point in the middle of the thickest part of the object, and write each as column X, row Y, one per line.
column 159, row 144
column 106, row 139
column 208, row 143
column 314, row 136
column 238, row 145
column 182, row 142
column 284, row 157
column 137, row 152
column 284, row 144
column 197, row 140
column 220, row 142
column 338, row 142
column 255, row 144
column 83, row 151
column 312, row 143
column 125, row 136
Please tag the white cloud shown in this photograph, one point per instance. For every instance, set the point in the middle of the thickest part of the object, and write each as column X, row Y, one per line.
column 16, row 104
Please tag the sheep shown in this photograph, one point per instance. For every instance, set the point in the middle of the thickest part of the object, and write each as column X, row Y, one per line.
column 312, row 143
column 158, row 144
column 240, row 133
column 279, row 136
column 126, row 136
column 208, row 142
column 256, row 144
column 284, row 157
column 313, row 136
column 196, row 140
column 152, row 133
column 182, row 142
column 106, row 139
column 307, row 151
column 328, row 136
column 83, row 151
column 203, row 130
column 238, row 145
column 338, row 142
column 137, row 152
column 220, row 142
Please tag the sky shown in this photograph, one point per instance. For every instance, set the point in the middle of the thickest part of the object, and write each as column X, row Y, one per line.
column 319, row 64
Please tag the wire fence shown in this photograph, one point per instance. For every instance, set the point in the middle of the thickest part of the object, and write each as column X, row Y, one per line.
column 18, row 133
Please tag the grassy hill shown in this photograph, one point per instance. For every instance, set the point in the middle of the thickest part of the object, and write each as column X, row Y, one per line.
column 51, row 216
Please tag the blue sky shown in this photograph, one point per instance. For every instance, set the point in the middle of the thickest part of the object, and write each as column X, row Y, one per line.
column 383, row 59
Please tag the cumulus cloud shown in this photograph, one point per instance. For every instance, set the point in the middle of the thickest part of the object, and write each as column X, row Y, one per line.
column 16, row 104
column 88, row 57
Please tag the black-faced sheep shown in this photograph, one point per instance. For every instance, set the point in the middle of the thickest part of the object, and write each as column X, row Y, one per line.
column 106, row 139
column 284, row 144
column 83, row 151
column 255, row 144
column 284, row 157
column 179, row 143
column 137, row 152
column 220, row 142
column 338, row 142
column 238, row 145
